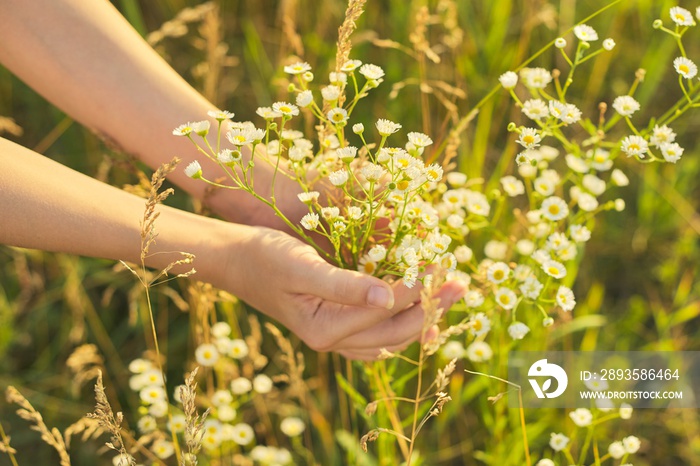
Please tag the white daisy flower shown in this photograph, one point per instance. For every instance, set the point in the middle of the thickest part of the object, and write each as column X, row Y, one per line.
column 473, row 298
column 147, row 424
column 554, row 208
column 525, row 247
column 268, row 113
column 337, row 78
column 529, row 138
column 386, row 127
column 595, row 383
column 262, row 384
column 577, row 164
column 358, row 128
column 619, row 178
column 285, row 109
column 498, row 272
column 626, row 411
column 463, row 254
column 239, row 349
column 536, row 109
column 508, row 80
column 560, row 42
column 419, row 139
column 456, row 179
column 297, row 68
column 635, row 146
column 518, row 330
column 609, row 44
column 545, row 186
column 183, row 130
column 292, row 426
column 339, row 178
column 351, row 65
column 152, row 394
column 337, row 115
column 372, row 72
column 565, row 298
column 139, row 366
column 220, row 115
column 377, row 253
column 545, row 462
column 410, row 276
column 177, row 423
column 506, row 298
column 587, row 202
column 593, row 184
column 330, row 93
column 330, row 213
column 616, row 450
column 672, row 152
column 308, row 198
column 310, row 221
column 625, row 105
column 512, row 186
column 496, row 250
column 685, row 67
column 243, row 434
column 304, row 98
column 241, row 385
column 478, row 204
column 194, row 170
column 662, row 135
column 372, row 172
column 557, row 241
column 681, row 16
column 355, row 213
column 554, row 269
column 201, row 127
column 206, row 355
column 536, row 78
column 600, row 159
column 479, row 324
column 558, row 441
column 579, row 233
column 585, row 33
column 479, row 351
column 452, row 350
column 582, row 417
column 531, row 288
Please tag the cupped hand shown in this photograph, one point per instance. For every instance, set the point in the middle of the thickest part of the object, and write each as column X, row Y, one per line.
column 330, row 309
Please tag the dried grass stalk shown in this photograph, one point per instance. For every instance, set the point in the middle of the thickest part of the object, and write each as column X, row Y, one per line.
column 194, row 423
column 27, row 412
column 352, row 14
column 109, row 421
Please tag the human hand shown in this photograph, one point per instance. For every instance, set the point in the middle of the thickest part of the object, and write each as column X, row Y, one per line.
column 330, row 309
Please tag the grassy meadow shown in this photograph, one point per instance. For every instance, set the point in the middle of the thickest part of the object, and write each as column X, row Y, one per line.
column 636, row 285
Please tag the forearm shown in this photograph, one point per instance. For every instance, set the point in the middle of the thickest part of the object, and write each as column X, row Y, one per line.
column 45, row 205
column 86, row 59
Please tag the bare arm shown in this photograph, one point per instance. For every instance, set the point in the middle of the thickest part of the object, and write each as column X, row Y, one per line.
column 86, row 59
column 48, row 206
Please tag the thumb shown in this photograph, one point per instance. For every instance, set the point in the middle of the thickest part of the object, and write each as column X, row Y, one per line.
column 345, row 286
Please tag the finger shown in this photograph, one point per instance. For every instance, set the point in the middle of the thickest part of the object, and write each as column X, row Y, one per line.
column 345, row 287
column 404, row 327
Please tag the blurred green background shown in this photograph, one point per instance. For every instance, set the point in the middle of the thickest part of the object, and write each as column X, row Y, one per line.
column 640, row 271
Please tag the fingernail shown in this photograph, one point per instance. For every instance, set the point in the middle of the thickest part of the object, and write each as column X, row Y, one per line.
column 379, row 296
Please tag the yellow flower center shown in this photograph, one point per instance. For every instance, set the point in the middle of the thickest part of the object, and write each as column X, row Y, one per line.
column 498, row 274
column 369, row 267
column 401, row 185
column 553, row 209
column 504, row 299
column 553, row 271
